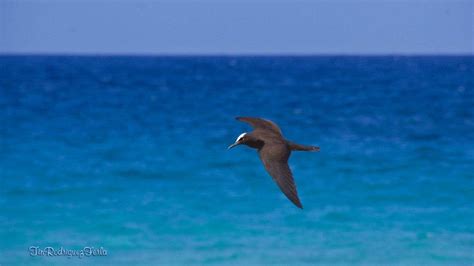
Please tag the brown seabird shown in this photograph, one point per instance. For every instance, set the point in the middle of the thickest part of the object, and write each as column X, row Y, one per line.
column 274, row 151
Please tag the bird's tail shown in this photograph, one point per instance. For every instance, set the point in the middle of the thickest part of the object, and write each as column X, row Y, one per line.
column 299, row 147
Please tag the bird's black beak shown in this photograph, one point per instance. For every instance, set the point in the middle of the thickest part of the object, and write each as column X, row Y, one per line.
column 233, row 145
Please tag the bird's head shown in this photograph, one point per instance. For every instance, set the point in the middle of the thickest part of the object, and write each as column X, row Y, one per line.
column 241, row 139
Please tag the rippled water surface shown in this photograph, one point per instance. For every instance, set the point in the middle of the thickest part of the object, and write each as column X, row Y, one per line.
column 129, row 154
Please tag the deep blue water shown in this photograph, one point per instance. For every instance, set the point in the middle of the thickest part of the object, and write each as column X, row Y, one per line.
column 129, row 154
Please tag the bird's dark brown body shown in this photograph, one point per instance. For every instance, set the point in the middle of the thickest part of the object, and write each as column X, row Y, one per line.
column 274, row 151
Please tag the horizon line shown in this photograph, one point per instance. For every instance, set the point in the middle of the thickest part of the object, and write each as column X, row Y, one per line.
column 132, row 54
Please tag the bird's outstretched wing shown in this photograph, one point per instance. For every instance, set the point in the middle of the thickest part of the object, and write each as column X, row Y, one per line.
column 275, row 160
column 260, row 123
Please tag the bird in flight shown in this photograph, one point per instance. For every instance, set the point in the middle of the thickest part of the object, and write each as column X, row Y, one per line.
column 274, row 151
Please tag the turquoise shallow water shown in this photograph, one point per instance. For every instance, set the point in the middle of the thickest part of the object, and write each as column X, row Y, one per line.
column 129, row 154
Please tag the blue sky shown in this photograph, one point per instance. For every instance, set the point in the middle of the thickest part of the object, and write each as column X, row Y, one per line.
column 237, row 27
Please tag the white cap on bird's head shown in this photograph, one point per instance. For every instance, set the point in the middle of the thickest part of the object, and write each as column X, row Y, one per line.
column 240, row 136
column 237, row 141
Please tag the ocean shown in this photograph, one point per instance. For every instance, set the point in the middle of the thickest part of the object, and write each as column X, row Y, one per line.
column 128, row 155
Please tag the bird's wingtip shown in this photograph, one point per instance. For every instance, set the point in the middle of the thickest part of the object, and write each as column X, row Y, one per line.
column 298, row 203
